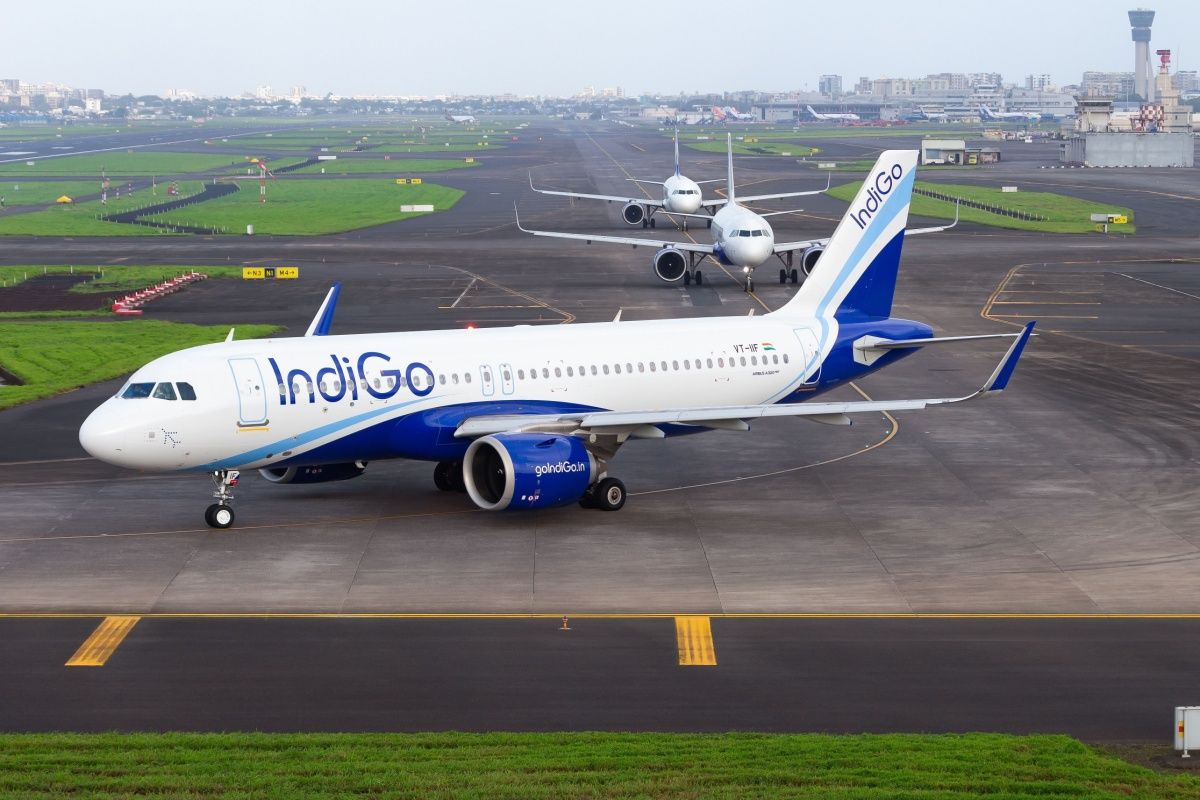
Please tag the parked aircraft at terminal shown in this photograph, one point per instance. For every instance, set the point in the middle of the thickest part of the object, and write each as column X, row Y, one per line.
column 742, row 238
column 528, row 417
column 832, row 117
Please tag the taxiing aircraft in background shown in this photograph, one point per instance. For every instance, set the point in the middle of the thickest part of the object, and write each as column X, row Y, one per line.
column 528, row 417
column 741, row 238
column 461, row 119
column 987, row 115
column 832, row 117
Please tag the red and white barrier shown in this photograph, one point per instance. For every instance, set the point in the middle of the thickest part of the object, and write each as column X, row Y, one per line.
column 129, row 305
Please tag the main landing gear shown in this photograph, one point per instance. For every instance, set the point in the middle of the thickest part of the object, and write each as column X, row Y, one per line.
column 220, row 513
column 785, row 275
column 695, row 276
column 607, row 494
column 448, row 476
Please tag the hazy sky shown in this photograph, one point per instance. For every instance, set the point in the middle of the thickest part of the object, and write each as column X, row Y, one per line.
column 401, row 47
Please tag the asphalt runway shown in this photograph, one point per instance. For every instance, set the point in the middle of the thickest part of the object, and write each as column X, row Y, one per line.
column 1075, row 492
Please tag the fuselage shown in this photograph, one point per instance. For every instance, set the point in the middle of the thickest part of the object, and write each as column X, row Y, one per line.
column 741, row 237
column 681, row 195
column 329, row 399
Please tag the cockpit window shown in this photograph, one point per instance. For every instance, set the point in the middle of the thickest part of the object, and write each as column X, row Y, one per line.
column 164, row 391
column 756, row 233
column 186, row 392
column 137, row 391
column 743, row 233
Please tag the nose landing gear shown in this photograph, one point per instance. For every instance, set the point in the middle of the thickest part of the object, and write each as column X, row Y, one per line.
column 220, row 513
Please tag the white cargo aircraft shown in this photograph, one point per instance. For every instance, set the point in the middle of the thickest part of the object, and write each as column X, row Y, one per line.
column 528, row 417
column 741, row 238
column 681, row 196
column 833, row 117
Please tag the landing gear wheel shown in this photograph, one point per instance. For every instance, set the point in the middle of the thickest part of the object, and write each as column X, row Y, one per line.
column 699, row 277
column 652, row 222
column 783, row 276
column 608, row 495
column 708, row 223
column 795, row 276
column 687, row 279
column 218, row 516
column 645, row 223
column 443, row 476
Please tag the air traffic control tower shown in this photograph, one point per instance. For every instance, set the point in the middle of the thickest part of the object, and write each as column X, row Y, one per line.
column 1143, row 81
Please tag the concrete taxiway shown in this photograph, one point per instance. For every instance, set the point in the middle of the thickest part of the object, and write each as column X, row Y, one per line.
column 1074, row 493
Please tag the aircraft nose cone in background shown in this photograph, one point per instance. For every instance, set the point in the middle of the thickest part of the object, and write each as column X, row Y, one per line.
column 748, row 252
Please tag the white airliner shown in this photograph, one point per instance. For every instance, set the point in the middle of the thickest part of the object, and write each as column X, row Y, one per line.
column 988, row 115
column 461, row 118
column 741, row 238
column 730, row 113
column 833, row 117
column 681, row 196
column 528, row 417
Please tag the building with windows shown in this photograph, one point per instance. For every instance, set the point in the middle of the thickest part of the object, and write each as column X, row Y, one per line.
column 830, row 86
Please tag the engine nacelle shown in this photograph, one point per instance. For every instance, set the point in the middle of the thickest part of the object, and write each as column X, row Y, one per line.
column 670, row 264
column 809, row 259
column 323, row 473
column 527, row 470
column 634, row 213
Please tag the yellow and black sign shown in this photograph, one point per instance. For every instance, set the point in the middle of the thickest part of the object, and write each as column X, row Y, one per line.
column 414, row 180
column 270, row 273
column 1118, row 219
column 469, row 160
column 401, row 181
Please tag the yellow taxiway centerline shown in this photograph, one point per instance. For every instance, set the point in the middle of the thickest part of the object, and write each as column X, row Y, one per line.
column 693, row 635
column 97, row 648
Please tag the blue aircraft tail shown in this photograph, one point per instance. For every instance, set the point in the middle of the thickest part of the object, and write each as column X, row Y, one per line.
column 856, row 276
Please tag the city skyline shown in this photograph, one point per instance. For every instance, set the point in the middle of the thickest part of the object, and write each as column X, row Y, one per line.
column 412, row 51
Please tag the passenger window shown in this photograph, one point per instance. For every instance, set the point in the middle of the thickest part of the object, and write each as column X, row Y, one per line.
column 709, row 363
column 785, row 358
column 617, row 368
column 652, row 366
column 606, row 369
column 743, row 361
column 697, row 363
column 641, row 367
column 442, row 379
column 186, row 392
column 675, row 366
column 687, row 364
column 664, row 366
column 545, row 372
column 520, row 374
column 720, row 362
column 754, row 360
column 507, row 374
column 466, row 377
column 629, row 367
column 164, row 391
column 570, row 372
column 593, row 369
column 137, row 391
column 454, row 378
column 775, row 359
column 558, row 372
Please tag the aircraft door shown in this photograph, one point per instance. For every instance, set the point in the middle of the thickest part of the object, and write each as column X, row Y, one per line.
column 486, row 380
column 810, row 356
column 252, row 397
column 506, row 378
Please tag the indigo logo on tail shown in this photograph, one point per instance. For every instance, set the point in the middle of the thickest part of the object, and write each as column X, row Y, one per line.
column 885, row 181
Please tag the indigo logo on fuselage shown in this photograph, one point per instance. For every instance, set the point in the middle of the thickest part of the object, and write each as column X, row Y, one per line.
column 885, row 181
column 340, row 379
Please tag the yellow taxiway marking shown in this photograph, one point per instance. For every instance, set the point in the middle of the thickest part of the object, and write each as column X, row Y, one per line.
column 107, row 637
column 558, row 615
column 693, row 635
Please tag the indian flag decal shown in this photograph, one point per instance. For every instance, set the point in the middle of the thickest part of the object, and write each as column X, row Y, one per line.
column 768, row 346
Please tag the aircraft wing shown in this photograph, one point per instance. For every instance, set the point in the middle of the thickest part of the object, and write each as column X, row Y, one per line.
column 612, row 198
column 691, row 247
column 643, row 424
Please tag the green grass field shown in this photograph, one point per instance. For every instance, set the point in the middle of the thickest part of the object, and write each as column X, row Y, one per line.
column 399, row 167
column 36, row 193
column 114, row 279
column 313, row 206
column 560, row 766
column 123, row 163
column 51, row 357
column 1065, row 214
column 79, row 219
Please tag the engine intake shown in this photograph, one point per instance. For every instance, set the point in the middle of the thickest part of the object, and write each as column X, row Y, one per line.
column 322, row 473
column 670, row 264
column 809, row 259
column 527, row 470
column 634, row 213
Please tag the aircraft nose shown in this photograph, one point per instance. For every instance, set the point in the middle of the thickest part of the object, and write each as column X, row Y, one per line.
column 100, row 437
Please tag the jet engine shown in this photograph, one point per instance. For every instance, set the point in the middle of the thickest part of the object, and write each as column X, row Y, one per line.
column 634, row 213
column 670, row 264
column 323, row 473
column 527, row 470
column 808, row 260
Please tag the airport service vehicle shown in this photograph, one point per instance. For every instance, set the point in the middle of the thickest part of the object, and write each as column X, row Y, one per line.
column 741, row 238
column 832, row 117
column 529, row 417
column 987, row 115
column 681, row 196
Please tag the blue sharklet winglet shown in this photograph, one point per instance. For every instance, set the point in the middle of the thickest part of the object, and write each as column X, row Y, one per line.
column 323, row 321
column 1008, row 364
